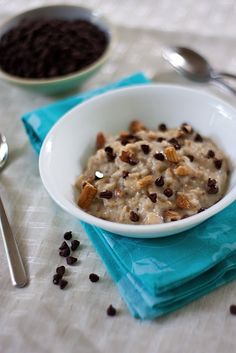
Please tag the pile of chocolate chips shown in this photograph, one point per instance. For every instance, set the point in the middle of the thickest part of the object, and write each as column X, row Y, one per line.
column 65, row 251
column 49, row 48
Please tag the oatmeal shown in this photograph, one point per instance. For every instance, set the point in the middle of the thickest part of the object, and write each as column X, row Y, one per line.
column 143, row 176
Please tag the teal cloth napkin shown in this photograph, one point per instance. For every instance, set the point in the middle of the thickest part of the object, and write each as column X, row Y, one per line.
column 154, row 276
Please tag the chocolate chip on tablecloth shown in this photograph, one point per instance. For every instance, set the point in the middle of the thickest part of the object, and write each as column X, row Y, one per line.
column 75, row 244
column 71, row 260
column 63, row 283
column 68, row 235
column 65, row 252
column 63, row 246
column 93, row 277
column 232, row 309
column 56, row 278
column 111, row 311
column 61, row 270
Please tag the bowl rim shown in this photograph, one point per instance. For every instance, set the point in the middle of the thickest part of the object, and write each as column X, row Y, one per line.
column 82, row 72
column 140, row 229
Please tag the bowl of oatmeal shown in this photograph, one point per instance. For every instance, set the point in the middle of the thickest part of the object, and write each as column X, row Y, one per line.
column 146, row 161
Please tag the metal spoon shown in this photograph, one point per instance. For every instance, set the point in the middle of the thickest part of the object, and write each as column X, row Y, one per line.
column 194, row 66
column 16, row 267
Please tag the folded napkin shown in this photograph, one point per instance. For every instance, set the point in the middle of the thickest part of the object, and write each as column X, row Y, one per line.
column 154, row 276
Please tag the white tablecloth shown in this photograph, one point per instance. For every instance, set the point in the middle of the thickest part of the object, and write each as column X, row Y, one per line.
column 42, row 318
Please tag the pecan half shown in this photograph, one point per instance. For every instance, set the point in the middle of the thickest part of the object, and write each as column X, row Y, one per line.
column 183, row 202
column 170, row 215
column 182, row 170
column 145, row 181
column 87, row 195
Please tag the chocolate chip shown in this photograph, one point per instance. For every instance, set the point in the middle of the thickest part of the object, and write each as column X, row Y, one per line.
column 174, row 142
column 210, row 154
column 111, row 311
column 198, row 138
column 93, row 277
column 63, row 246
column 159, row 181
column 160, row 139
column 68, row 235
column 162, row 127
column 168, row 192
column 134, row 217
column 98, row 175
column 106, row 194
column 201, row 210
column 71, row 260
column 218, row 163
column 211, row 182
column 61, row 270
column 56, row 278
column 124, row 141
column 190, row 157
column 63, row 283
column 125, row 174
column 110, row 154
column 75, row 244
column 145, row 148
column 153, row 197
column 212, row 188
column 232, row 309
column 159, row 156
column 65, row 252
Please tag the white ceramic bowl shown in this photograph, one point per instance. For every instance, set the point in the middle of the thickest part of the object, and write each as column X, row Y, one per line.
column 71, row 141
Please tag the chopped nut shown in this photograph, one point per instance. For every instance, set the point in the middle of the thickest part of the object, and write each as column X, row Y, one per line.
column 87, row 195
column 124, row 134
column 145, row 181
column 171, row 154
column 128, row 157
column 183, row 202
column 100, row 141
column 187, row 128
column 170, row 215
column 152, row 135
column 136, row 126
column 182, row 170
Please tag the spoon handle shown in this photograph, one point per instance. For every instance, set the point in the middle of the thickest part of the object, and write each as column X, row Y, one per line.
column 17, row 271
column 227, row 74
column 224, row 84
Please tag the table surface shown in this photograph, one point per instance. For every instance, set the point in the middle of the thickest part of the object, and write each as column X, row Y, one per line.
column 42, row 318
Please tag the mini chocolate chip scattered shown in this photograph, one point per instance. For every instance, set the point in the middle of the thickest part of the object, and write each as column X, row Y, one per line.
column 153, row 197
column 75, row 244
column 65, row 252
column 211, row 182
column 93, row 277
column 111, row 311
column 213, row 190
column 145, row 148
column 210, row 154
column 190, row 157
column 134, row 217
column 60, row 270
column 56, row 278
column 125, row 174
column 106, row 194
column 98, row 175
column 109, row 152
column 159, row 156
column 160, row 139
column 68, row 235
column 162, row 127
column 168, row 192
column 159, row 181
column 63, row 283
column 71, row 260
column 218, row 163
column 201, row 210
column 175, row 143
column 124, row 141
column 232, row 309
column 198, row 138
column 63, row 246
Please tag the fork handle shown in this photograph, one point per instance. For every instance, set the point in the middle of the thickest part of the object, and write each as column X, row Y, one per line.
column 15, row 264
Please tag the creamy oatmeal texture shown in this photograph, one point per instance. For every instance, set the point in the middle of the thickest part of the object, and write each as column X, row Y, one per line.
column 147, row 177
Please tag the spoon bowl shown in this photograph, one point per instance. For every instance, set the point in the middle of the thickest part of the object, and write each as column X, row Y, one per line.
column 194, row 66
